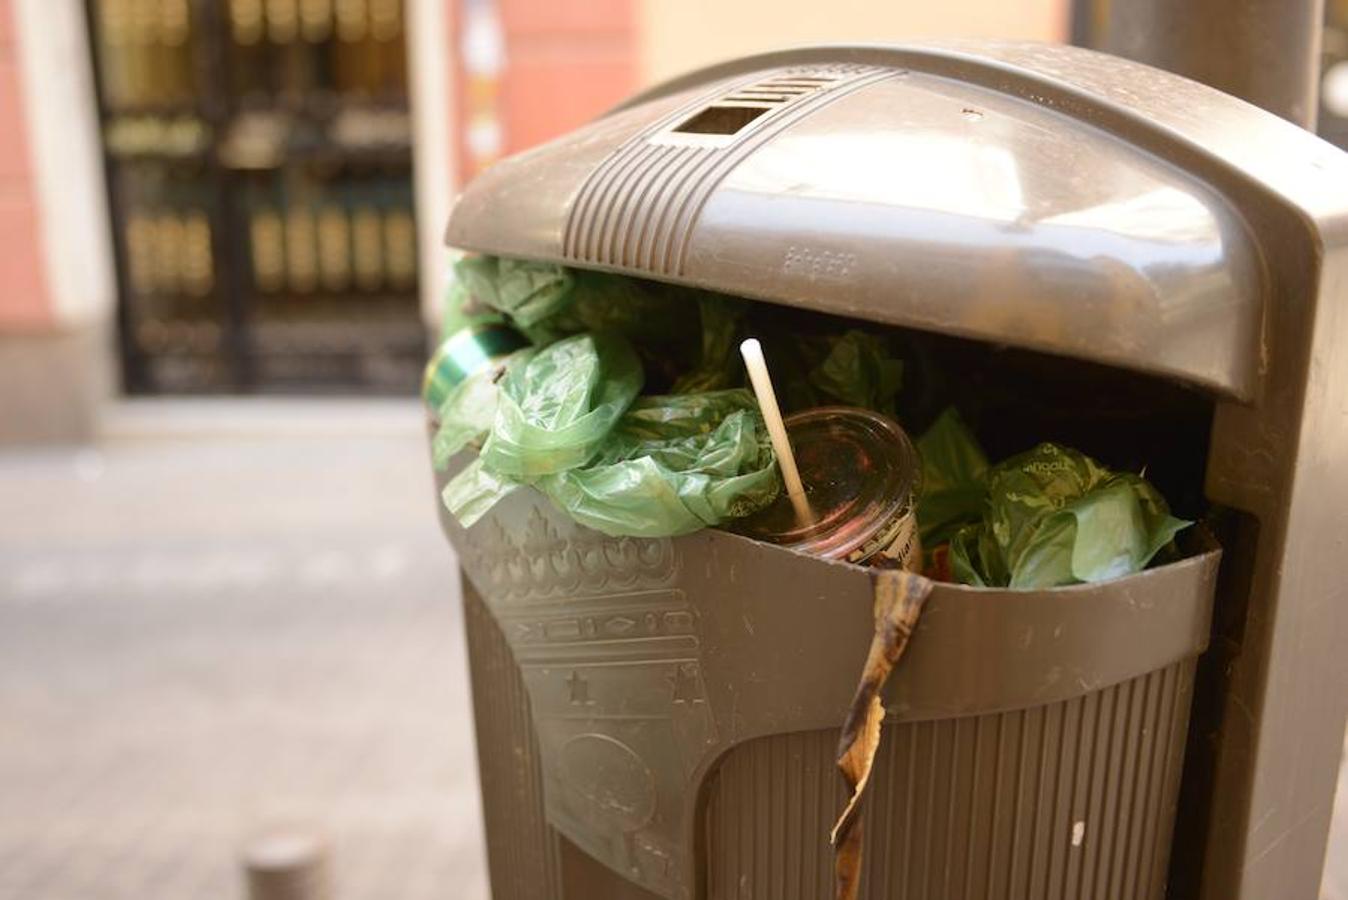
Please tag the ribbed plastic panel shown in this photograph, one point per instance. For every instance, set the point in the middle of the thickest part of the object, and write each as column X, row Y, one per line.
column 1070, row 801
column 522, row 851
column 638, row 207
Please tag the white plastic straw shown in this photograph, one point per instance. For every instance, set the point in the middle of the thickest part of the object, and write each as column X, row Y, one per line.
column 752, row 351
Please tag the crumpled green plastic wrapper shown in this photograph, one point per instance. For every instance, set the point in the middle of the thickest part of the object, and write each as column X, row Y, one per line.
column 465, row 416
column 555, row 410
column 673, row 464
column 455, row 314
column 859, row 371
column 462, row 307
column 529, row 292
column 681, row 351
column 552, row 411
column 565, row 422
column 954, row 479
column 468, row 411
column 1054, row 517
column 718, row 365
column 684, row 336
column 848, row 368
column 472, row 493
column 646, row 313
column 549, row 301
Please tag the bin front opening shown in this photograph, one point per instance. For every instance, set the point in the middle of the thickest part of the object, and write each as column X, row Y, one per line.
column 738, row 658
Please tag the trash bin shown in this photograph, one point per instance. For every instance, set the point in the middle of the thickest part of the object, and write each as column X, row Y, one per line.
column 658, row 717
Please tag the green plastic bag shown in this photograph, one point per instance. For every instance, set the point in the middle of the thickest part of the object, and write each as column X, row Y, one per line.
column 850, row 368
column 644, row 312
column 551, row 411
column 469, row 409
column 528, row 292
column 718, row 365
column 684, row 336
column 679, row 350
column 455, row 315
column 859, row 371
column 1055, row 516
column 462, row 306
column 555, row 410
column 954, row 479
column 465, row 416
column 472, row 493
column 673, row 464
column 549, row 302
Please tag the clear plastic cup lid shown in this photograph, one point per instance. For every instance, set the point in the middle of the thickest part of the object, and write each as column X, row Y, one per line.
column 860, row 472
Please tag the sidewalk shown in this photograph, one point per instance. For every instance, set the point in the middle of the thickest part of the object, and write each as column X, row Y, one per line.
column 232, row 613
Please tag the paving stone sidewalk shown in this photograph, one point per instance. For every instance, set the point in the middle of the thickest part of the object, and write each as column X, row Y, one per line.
column 231, row 614
column 237, row 613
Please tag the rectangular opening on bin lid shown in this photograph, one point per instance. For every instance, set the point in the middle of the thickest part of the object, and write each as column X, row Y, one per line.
column 721, row 119
column 733, row 112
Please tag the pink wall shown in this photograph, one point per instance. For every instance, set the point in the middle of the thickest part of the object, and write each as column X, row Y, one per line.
column 565, row 62
column 24, row 303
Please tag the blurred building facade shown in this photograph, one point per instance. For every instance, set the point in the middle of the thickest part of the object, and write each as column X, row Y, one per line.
column 259, row 166
column 206, row 196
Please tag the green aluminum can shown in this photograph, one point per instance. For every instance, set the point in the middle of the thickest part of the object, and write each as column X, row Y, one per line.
column 466, row 351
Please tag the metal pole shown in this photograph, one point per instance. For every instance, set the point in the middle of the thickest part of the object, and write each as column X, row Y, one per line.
column 1263, row 51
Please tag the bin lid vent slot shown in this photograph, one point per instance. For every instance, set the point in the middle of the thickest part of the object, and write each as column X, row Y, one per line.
column 734, row 111
column 722, row 119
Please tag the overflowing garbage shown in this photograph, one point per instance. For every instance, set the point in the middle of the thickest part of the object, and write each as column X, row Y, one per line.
column 624, row 402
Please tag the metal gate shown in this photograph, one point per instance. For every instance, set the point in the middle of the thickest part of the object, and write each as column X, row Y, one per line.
column 259, row 165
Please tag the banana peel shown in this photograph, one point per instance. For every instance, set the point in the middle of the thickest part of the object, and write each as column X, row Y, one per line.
column 899, row 598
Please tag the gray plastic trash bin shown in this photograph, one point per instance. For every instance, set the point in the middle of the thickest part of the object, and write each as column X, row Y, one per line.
column 657, row 718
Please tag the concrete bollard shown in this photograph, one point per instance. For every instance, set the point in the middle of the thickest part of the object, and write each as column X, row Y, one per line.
column 287, row 863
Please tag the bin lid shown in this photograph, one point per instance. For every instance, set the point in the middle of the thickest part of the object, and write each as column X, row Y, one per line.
column 1050, row 198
